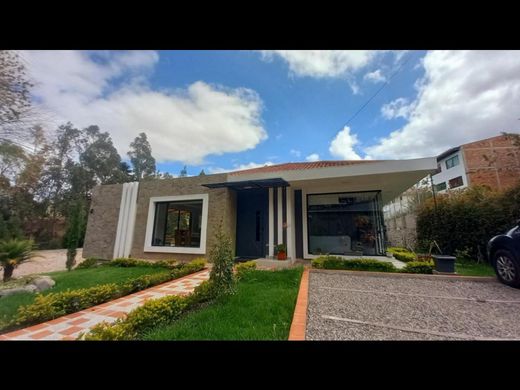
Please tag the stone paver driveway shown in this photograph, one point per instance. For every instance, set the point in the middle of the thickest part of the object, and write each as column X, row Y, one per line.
column 346, row 305
column 70, row 326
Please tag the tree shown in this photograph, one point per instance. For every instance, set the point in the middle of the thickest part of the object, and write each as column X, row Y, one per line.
column 184, row 172
column 13, row 253
column 141, row 157
column 15, row 99
column 202, row 173
column 74, row 231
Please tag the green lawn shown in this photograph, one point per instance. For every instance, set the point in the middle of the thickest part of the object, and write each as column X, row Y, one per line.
column 474, row 269
column 261, row 309
column 76, row 279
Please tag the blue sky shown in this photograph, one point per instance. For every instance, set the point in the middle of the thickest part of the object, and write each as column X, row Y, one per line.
column 226, row 110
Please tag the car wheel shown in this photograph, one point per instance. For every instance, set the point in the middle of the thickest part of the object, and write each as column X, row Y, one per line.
column 507, row 268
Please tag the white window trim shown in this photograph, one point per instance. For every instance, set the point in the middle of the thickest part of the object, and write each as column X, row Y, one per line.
column 177, row 249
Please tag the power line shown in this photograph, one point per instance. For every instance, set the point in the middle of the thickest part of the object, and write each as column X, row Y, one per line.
column 380, row 89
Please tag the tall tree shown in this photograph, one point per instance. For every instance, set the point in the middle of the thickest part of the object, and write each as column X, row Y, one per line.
column 15, row 99
column 202, row 173
column 184, row 172
column 141, row 157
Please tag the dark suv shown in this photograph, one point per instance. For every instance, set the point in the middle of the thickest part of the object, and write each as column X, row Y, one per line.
column 504, row 254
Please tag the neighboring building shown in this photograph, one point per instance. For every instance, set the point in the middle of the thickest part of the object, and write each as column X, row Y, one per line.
column 494, row 162
column 313, row 208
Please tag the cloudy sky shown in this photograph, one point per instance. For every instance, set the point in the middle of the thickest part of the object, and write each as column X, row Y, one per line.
column 225, row 110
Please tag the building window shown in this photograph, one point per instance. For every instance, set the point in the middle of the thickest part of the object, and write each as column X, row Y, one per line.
column 456, row 182
column 452, row 161
column 177, row 224
column 440, row 186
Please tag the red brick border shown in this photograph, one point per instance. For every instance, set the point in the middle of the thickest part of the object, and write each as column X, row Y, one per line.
column 299, row 322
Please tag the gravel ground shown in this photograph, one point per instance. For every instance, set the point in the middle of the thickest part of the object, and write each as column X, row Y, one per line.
column 408, row 308
column 48, row 261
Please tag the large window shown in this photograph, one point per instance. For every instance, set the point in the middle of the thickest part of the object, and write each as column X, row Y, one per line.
column 452, row 161
column 344, row 223
column 177, row 224
column 440, row 186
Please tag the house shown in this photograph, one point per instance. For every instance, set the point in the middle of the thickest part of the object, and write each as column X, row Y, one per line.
column 312, row 207
column 494, row 162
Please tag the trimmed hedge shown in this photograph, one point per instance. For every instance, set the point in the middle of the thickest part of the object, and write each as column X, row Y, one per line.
column 405, row 256
column 49, row 306
column 418, row 267
column 153, row 313
column 335, row 262
column 242, row 268
column 395, row 249
column 91, row 262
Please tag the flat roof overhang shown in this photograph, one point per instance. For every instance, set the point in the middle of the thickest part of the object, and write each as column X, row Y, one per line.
column 250, row 184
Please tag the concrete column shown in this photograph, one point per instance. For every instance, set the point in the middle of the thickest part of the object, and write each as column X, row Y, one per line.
column 279, row 216
column 271, row 223
column 291, row 238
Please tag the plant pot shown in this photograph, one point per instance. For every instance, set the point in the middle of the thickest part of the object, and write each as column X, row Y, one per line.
column 281, row 255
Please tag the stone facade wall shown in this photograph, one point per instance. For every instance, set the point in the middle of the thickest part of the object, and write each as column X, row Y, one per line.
column 494, row 162
column 102, row 221
column 221, row 206
column 402, row 230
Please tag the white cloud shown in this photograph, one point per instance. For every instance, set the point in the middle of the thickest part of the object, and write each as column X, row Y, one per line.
column 322, row 63
column 110, row 89
column 375, row 76
column 342, row 145
column 295, row 153
column 313, row 157
column 398, row 108
column 240, row 167
column 464, row 96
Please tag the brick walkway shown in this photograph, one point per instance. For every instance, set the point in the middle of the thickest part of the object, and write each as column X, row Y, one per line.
column 70, row 326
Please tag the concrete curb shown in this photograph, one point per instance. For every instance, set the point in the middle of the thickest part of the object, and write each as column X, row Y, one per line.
column 299, row 322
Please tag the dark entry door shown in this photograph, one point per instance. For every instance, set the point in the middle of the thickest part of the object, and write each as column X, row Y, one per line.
column 252, row 214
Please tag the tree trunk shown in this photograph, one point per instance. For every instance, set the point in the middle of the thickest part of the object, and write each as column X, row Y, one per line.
column 8, row 272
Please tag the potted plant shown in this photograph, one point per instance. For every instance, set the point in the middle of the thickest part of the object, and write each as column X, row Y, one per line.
column 281, row 252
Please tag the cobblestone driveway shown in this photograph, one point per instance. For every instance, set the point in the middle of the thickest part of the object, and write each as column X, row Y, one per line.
column 363, row 306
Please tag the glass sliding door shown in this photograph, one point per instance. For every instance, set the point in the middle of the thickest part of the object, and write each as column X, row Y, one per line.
column 347, row 223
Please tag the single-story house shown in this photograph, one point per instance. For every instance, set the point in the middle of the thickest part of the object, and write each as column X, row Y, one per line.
column 324, row 207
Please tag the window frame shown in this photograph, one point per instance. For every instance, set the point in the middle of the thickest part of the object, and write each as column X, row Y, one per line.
column 461, row 182
column 452, row 158
column 148, row 247
column 443, row 189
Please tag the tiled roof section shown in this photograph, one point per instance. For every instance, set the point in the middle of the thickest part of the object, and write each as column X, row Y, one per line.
column 301, row 166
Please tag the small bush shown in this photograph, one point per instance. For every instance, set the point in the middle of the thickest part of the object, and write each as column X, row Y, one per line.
column 221, row 255
column 397, row 249
column 128, row 262
column 91, row 262
column 418, row 267
column 242, row 268
column 335, row 262
column 405, row 256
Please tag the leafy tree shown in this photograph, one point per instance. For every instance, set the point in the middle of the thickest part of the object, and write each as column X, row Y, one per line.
column 141, row 157
column 184, row 172
column 13, row 253
column 202, row 173
column 15, row 99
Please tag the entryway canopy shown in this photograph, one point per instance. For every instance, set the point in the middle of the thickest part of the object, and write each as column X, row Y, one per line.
column 250, row 184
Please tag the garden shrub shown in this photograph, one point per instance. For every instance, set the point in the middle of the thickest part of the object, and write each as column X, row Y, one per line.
column 129, row 262
column 335, row 262
column 397, row 249
column 418, row 267
column 405, row 256
column 242, row 268
column 91, row 262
